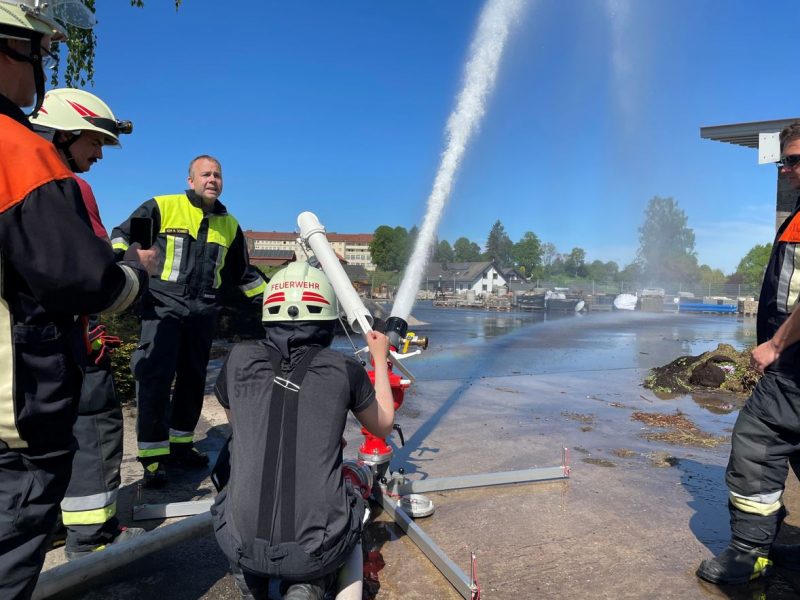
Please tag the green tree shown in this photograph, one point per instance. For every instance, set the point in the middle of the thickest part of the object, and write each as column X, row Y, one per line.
column 411, row 241
column 527, row 253
column 752, row 266
column 602, row 271
column 499, row 245
column 444, row 252
column 666, row 243
column 389, row 248
column 575, row 263
column 557, row 266
column 549, row 254
column 709, row 276
column 466, row 250
column 80, row 49
column 631, row 274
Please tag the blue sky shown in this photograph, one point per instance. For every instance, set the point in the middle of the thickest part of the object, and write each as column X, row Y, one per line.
column 340, row 107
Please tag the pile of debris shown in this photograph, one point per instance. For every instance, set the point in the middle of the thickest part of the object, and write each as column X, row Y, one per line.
column 724, row 368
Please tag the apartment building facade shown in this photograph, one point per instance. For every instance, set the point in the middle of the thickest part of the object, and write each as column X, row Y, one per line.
column 352, row 247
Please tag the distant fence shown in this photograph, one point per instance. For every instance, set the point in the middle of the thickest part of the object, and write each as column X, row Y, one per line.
column 729, row 290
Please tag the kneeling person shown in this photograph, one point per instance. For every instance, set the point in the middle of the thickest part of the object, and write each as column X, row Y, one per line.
column 286, row 511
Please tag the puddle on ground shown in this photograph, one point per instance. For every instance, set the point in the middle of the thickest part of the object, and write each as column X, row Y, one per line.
column 719, row 403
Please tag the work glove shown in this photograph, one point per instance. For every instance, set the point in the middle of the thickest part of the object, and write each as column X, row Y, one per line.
column 101, row 344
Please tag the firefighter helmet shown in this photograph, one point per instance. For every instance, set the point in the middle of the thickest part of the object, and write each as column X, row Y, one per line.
column 44, row 17
column 71, row 110
column 299, row 292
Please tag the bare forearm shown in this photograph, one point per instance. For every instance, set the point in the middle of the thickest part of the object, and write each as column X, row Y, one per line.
column 383, row 395
column 768, row 352
column 788, row 333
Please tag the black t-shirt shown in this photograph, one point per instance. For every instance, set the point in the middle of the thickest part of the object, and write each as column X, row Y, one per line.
column 333, row 385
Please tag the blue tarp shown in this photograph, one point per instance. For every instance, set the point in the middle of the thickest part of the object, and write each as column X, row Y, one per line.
column 700, row 307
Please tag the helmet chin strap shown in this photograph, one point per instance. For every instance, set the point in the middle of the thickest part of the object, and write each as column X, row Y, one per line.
column 38, row 74
column 35, row 61
column 64, row 145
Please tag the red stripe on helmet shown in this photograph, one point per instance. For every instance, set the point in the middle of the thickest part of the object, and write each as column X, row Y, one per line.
column 81, row 109
column 314, row 297
column 276, row 297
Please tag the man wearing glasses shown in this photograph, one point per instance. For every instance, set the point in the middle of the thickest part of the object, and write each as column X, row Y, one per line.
column 766, row 437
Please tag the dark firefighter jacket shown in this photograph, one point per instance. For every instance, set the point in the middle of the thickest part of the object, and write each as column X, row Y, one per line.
column 52, row 267
column 781, row 290
column 198, row 253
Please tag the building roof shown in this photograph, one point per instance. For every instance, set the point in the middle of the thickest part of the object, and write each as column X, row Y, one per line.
column 744, row 134
column 290, row 236
column 356, row 273
column 272, row 254
column 465, row 272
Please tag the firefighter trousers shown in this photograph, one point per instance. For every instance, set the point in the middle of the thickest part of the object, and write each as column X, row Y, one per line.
column 89, row 508
column 170, row 348
column 31, row 489
column 765, row 442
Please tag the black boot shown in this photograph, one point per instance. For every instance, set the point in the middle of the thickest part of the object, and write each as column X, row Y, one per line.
column 738, row 563
column 155, row 476
column 186, row 456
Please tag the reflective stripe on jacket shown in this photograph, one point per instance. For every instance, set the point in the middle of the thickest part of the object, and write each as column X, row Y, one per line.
column 198, row 252
column 780, row 290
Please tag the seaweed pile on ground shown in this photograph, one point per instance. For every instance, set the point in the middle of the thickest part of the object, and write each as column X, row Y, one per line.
column 677, row 429
column 724, row 368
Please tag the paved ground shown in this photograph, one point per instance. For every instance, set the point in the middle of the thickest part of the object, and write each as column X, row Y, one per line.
column 633, row 521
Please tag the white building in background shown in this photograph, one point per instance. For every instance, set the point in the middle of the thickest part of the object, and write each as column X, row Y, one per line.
column 482, row 278
column 353, row 248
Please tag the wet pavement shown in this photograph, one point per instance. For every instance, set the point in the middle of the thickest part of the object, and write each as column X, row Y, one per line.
column 506, row 391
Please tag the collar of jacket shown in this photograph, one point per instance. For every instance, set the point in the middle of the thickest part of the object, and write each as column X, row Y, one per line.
column 8, row 108
column 218, row 209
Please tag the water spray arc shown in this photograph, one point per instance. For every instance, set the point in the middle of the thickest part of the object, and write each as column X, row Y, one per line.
column 480, row 75
column 401, row 498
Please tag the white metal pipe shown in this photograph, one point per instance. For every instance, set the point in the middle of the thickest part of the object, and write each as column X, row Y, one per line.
column 312, row 233
column 72, row 574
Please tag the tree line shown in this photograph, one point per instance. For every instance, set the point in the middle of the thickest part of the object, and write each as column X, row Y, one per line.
column 666, row 253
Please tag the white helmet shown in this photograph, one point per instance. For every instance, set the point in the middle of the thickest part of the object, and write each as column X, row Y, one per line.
column 30, row 21
column 47, row 17
column 299, row 292
column 75, row 111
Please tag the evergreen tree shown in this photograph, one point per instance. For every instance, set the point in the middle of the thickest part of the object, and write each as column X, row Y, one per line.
column 499, row 245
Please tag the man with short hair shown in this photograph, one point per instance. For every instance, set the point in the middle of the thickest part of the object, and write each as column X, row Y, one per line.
column 52, row 268
column 80, row 124
column 766, row 437
column 202, row 249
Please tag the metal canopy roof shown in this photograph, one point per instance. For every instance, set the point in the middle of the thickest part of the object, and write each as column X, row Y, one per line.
column 744, row 134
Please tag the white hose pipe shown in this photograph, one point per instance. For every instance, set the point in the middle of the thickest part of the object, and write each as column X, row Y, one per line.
column 313, row 233
column 72, row 574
